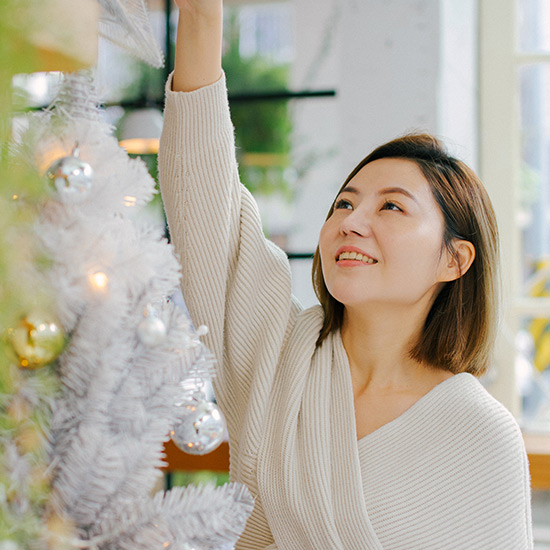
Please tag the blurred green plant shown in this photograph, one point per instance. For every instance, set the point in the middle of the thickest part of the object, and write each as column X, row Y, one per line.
column 22, row 422
column 181, row 479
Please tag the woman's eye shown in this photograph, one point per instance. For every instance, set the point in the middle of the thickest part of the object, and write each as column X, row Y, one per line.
column 388, row 205
column 342, row 204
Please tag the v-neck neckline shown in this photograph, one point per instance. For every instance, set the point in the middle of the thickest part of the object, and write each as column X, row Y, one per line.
column 403, row 417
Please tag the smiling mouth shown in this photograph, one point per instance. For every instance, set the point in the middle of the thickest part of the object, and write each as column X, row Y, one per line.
column 358, row 257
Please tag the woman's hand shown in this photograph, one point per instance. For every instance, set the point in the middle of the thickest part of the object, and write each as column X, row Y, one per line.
column 199, row 44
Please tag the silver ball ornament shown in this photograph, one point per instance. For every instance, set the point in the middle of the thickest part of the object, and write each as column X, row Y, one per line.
column 201, row 429
column 72, row 178
column 152, row 331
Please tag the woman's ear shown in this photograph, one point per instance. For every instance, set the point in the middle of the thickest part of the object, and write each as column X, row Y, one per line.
column 459, row 260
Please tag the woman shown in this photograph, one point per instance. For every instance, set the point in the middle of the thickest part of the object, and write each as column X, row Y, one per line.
column 357, row 424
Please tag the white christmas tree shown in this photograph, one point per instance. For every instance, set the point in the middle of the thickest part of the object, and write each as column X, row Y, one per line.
column 129, row 348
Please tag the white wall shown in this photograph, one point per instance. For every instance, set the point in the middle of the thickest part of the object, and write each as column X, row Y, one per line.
column 458, row 89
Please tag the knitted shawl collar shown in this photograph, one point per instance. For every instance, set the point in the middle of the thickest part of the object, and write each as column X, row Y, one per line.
column 311, row 453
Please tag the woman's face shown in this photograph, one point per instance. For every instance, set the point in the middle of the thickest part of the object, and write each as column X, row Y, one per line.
column 383, row 244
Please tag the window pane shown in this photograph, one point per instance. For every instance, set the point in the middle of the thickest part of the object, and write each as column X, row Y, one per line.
column 534, row 197
column 533, row 373
column 302, row 287
column 288, row 158
column 258, row 46
column 533, row 25
column 287, row 148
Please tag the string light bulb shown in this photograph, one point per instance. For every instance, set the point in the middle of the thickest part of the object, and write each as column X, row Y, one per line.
column 99, row 281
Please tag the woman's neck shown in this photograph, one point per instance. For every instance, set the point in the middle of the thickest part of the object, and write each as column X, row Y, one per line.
column 378, row 344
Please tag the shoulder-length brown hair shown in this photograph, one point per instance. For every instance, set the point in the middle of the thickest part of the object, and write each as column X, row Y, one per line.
column 460, row 328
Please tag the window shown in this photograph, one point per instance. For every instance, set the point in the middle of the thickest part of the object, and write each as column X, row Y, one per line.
column 284, row 124
column 515, row 166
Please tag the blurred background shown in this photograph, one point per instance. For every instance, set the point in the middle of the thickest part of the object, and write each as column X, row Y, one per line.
column 316, row 84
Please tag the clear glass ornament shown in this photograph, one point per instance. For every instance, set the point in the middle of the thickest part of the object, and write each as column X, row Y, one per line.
column 201, row 428
column 72, row 178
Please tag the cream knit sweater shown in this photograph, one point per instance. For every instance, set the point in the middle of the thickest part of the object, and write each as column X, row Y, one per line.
column 450, row 473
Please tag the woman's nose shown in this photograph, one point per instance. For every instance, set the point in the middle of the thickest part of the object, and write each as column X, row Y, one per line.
column 357, row 222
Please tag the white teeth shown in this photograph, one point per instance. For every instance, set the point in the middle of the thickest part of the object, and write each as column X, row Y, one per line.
column 356, row 256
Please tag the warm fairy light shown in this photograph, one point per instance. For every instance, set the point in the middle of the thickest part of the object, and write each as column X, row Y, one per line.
column 99, row 280
column 166, row 544
column 15, row 197
column 140, row 146
column 130, row 201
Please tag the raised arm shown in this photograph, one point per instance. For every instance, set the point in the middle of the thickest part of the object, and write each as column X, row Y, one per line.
column 199, row 44
column 234, row 280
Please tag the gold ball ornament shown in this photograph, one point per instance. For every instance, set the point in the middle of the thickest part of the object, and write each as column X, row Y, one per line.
column 37, row 340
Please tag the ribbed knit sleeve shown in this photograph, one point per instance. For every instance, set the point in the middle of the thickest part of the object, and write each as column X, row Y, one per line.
column 234, row 280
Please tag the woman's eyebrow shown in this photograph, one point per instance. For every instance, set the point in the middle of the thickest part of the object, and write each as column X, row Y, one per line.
column 388, row 190
column 385, row 191
column 349, row 189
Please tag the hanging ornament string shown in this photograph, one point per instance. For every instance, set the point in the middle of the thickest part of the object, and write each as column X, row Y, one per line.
column 126, row 24
column 201, row 426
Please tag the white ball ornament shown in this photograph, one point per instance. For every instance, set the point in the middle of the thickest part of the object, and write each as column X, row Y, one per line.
column 152, row 331
column 71, row 177
column 202, row 330
column 201, row 429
